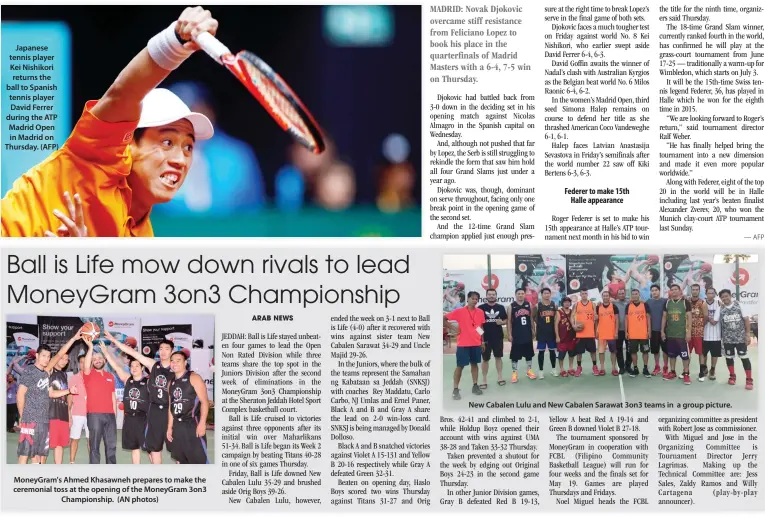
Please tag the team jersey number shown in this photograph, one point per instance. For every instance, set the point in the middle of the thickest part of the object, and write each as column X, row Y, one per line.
column 160, row 393
column 133, row 405
column 675, row 317
column 524, row 321
column 177, row 408
column 547, row 319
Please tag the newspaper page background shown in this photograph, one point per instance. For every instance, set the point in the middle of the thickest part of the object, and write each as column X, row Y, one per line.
column 433, row 470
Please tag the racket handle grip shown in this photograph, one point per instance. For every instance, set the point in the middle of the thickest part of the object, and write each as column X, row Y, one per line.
column 214, row 48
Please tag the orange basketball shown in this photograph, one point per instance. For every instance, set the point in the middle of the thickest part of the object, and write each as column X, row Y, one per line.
column 91, row 330
column 131, row 341
column 579, row 326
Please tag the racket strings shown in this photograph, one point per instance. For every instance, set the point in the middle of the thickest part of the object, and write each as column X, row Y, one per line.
column 277, row 102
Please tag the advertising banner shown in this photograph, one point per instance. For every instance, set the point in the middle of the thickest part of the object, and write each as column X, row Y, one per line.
column 457, row 283
column 535, row 272
column 686, row 270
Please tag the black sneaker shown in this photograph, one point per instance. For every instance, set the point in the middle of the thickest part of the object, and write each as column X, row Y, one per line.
column 621, row 371
column 634, row 372
column 477, row 390
column 456, row 394
column 646, row 373
column 703, row 375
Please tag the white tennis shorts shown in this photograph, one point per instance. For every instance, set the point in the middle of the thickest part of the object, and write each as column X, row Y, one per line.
column 78, row 424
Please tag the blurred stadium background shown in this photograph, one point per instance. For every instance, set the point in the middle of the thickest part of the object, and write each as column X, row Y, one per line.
column 357, row 68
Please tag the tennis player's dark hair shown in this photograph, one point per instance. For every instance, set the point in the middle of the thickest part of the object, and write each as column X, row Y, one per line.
column 44, row 348
column 545, row 289
column 655, row 276
column 167, row 342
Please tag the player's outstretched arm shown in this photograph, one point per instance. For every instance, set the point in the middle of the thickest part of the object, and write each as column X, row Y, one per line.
column 88, row 358
column 62, row 352
column 119, row 370
column 163, row 54
column 147, row 362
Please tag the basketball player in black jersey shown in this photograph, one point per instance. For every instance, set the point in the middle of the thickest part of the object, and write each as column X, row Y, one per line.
column 135, row 402
column 543, row 320
column 521, row 334
column 187, row 418
column 160, row 375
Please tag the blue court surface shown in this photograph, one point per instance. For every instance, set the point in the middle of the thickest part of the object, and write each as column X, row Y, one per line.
column 605, row 389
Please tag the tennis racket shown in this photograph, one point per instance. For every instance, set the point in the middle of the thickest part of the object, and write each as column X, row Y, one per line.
column 273, row 93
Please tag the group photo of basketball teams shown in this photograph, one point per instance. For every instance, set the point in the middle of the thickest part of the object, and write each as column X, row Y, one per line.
column 609, row 328
column 109, row 389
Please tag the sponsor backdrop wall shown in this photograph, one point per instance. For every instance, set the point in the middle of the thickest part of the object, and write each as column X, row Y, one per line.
column 535, row 272
column 194, row 333
column 567, row 275
column 686, row 270
column 457, row 283
column 749, row 282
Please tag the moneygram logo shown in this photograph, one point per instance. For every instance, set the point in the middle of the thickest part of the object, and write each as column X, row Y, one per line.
column 743, row 277
column 494, row 282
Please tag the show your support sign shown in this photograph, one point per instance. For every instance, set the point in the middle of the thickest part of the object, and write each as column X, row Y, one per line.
column 152, row 336
column 55, row 331
column 458, row 283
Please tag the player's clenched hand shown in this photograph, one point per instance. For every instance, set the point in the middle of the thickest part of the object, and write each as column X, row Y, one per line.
column 74, row 224
column 193, row 22
column 201, row 428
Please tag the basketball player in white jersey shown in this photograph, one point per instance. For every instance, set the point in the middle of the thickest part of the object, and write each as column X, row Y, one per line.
column 712, row 343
